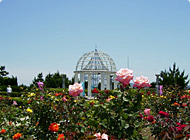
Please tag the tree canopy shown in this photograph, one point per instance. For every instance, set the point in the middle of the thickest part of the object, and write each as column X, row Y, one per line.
column 39, row 78
column 3, row 72
column 4, row 80
column 53, row 80
column 174, row 77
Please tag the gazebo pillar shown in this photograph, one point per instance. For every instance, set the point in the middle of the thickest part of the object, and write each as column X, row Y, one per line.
column 102, row 81
column 82, row 82
column 81, row 77
column 76, row 77
column 115, row 82
column 108, row 81
column 89, row 85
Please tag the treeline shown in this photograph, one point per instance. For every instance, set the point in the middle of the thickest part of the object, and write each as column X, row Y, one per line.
column 53, row 80
column 171, row 77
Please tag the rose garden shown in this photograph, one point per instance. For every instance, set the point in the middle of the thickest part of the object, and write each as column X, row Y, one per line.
column 123, row 113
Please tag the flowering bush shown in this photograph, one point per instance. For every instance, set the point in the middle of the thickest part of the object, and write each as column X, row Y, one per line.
column 169, row 118
column 16, row 136
column 117, row 114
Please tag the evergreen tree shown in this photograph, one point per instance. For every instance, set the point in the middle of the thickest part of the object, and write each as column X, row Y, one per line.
column 38, row 79
column 56, row 80
column 4, row 80
column 3, row 73
column 174, row 77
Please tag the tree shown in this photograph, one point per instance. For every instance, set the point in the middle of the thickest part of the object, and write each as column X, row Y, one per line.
column 38, row 79
column 3, row 73
column 174, row 77
column 4, row 80
column 153, row 84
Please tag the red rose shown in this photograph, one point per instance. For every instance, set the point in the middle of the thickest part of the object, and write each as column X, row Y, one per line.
column 56, row 94
column 54, row 127
column 106, row 91
column 163, row 114
column 150, row 118
column 16, row 136
column 148, row 93
column 61, row 137
column 180, row 127
column 3, row 131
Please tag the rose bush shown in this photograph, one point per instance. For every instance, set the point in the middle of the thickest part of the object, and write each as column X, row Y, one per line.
column 170, row 114
column 113, row 114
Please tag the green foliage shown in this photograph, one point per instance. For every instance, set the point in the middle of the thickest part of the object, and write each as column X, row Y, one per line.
column 4, row 80
column 115, row 113
column 53, row 80
column 175, row 102
column 14, row 88
column 174, row 77
column 39, row 78
column 13, row 94
column 117, row 116
column 3, row 72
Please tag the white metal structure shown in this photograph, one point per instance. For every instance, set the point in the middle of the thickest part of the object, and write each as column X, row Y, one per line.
column 96, row 67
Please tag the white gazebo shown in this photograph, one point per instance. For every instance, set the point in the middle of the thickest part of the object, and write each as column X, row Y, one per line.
column 96, row 67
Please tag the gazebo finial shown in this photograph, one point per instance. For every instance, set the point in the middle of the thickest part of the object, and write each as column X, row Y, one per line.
column 96, row 48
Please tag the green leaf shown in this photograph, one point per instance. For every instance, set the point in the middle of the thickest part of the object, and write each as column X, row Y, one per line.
column 135, row 133
column 82, row 129
column 125, row 99
column 126, row 126
column 125, row 116
column 97, row 105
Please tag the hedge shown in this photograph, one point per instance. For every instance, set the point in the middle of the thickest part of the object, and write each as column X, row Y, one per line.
column 13, row 94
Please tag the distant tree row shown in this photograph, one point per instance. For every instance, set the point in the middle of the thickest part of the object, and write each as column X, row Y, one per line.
column 53, row 80
column 172, row 77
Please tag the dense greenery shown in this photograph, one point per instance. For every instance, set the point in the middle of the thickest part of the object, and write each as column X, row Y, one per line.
column 53, row 80
column 174, row 77
column 4, row 80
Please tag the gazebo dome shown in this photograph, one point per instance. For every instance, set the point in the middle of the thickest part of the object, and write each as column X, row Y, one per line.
column 96, row 61
column 98, row 69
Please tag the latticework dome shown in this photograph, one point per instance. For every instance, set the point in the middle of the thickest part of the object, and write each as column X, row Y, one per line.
column 95, row 60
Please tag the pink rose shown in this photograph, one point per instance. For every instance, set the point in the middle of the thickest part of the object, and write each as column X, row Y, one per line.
column 109, row 99
column 124, row 76
column 101, row 137
column 147, row 111
column 64, row 99
column 75, row 89
column 14, row 103
column 141, row 82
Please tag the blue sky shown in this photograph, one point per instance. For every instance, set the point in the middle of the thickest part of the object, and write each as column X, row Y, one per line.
column 47, row 35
